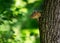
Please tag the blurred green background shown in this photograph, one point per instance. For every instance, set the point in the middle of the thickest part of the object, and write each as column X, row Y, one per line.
column 16, row 25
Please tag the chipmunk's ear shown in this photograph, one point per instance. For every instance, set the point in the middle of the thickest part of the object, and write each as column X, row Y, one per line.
column 35, row 11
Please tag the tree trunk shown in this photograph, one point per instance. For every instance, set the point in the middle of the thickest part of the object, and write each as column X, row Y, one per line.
column 50, row 22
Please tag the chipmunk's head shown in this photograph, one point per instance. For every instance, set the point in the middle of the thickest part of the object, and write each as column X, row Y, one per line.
column 36, row 15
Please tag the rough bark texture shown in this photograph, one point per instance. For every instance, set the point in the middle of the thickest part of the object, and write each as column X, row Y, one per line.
column 50, row 22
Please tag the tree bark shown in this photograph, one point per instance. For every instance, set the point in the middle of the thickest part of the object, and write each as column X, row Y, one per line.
column 50, row 22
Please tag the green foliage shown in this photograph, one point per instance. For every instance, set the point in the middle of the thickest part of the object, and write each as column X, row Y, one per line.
column 16, row 25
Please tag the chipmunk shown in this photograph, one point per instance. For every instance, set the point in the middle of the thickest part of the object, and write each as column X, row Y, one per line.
column 36, row 15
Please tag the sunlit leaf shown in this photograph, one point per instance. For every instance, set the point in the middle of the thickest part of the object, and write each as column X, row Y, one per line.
column 23, row 10
column 20, row 3
column 31, row 1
